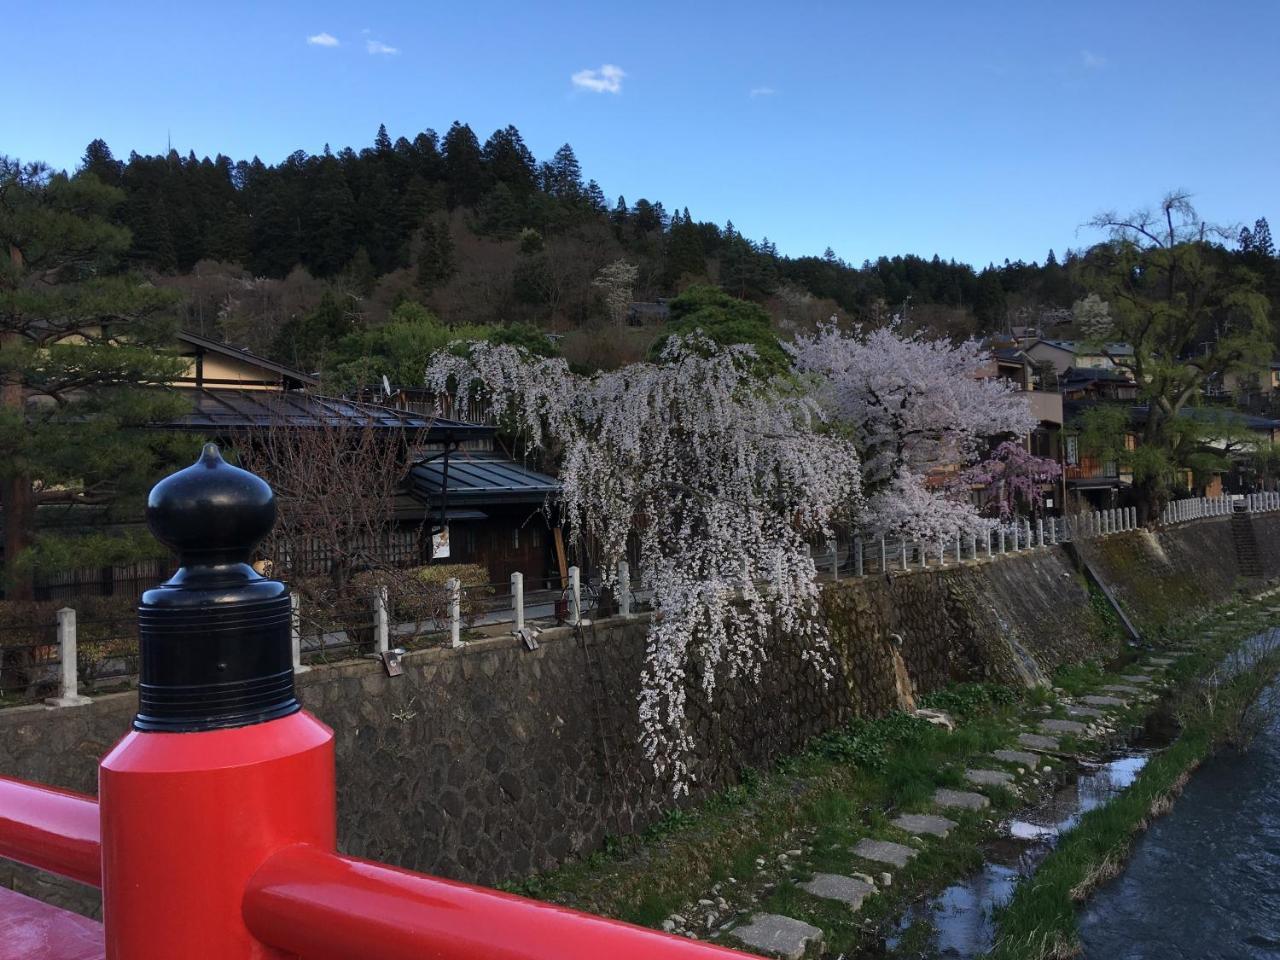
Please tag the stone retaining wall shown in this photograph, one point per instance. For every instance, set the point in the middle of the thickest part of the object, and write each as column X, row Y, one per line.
column 490, row 761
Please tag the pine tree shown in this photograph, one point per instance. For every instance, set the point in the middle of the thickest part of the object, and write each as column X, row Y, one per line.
column 464, row 166
column 1262, row 238
column 509, row 161
column 72, row 421
column 562, row 177
column 594, row 198
column 98, row 161
column 435, row 255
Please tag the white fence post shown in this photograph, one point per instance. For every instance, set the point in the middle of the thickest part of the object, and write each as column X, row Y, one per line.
column 857, row 556
column 942, row 552
column 1040, row 530
column 904, row 552
column 624, row 588
column 454, row 587
column 517, row 599
column 381, row 625
column 69, row 680
column 575, row 596
column 295, row 633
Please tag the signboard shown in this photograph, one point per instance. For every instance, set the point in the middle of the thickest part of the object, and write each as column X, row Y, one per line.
column 440, row 544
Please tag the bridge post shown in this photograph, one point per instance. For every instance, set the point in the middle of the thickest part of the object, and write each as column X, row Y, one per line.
column 221, row 769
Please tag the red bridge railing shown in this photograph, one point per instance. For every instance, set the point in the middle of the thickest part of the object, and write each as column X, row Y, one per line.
column 213, row 835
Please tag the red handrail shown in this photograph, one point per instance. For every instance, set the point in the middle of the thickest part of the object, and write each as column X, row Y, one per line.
column 322, row 906
column 54, row 830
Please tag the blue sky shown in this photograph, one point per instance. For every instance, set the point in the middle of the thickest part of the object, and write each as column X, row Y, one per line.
column 977, row 131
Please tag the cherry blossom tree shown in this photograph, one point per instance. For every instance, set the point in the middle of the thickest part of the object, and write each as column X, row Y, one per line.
column 917, row 410
column 1016, row 476
column 721, row 479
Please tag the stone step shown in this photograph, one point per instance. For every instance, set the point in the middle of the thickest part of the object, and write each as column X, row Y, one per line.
column 884, row 851
column 1090, row 713
column 1020, row 757
column 960, row 799
column 832, row 886
column 1138, row 678
column 1096, row 701
column 918, row 823
column 778, row 936
column 1037, row 741
column 1121, row 688
column 1073, row 727
column 989, row 778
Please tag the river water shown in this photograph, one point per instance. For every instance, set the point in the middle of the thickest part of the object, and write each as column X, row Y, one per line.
column 1204, row 882
column 959, row 921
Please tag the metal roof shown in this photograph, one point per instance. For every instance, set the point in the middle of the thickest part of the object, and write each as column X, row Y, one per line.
column 481, row 479
column 215, row 410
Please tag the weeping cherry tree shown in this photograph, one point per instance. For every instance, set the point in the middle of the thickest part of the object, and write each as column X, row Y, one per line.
column 721, row 480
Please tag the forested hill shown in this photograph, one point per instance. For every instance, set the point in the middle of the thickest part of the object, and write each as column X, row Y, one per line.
column 290, row 258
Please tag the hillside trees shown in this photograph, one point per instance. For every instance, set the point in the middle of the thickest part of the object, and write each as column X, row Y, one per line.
column 1189, row 312
column 77, row 337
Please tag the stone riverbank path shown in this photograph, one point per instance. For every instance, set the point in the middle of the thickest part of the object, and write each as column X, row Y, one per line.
column 776, row 935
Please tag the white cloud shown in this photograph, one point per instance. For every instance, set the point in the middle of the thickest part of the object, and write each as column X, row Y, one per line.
column 1091, row 60
column 323, row 40
column 377, row 47
column 762, row 92
column 608, row 79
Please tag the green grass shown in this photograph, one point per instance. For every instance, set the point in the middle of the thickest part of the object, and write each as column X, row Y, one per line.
column 844, row 786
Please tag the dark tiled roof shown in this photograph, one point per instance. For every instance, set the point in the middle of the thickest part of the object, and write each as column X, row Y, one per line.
column 481, row 479
column 235, row 410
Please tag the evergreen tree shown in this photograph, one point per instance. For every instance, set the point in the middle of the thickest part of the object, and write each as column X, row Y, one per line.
column 1262, row 238
column 562, row 177
column 98, row 161
column 594, row 198
column 510, row 162
column 435, row 254
column 328, row 219
column 77, row 337
column 464, row 166
column 498, row 214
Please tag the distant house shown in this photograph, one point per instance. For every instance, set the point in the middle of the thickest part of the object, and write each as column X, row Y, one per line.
column 1063, row 355
column 455, row 478
column 1097, row 383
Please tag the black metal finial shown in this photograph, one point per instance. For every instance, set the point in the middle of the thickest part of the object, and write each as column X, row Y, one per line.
column 213, row 639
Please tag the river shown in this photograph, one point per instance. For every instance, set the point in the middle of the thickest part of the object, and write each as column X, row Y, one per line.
column 1204, row 882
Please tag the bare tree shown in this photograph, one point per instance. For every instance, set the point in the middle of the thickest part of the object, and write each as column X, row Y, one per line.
column 336, row 486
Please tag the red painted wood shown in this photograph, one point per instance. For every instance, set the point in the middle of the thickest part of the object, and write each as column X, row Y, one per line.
column 31, row 930
column 54, row 830
column 322, row 906
column 186, row 820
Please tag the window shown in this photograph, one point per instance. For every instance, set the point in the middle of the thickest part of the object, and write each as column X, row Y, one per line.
column 1073, row 451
